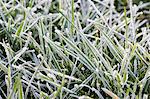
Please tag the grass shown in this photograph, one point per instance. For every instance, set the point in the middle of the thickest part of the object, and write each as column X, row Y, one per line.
column 68, row 49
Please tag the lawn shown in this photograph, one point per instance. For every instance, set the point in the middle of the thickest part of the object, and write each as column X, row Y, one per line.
column 74, row 49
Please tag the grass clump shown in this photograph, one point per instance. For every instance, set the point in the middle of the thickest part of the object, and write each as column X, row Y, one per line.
column 66, row 49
